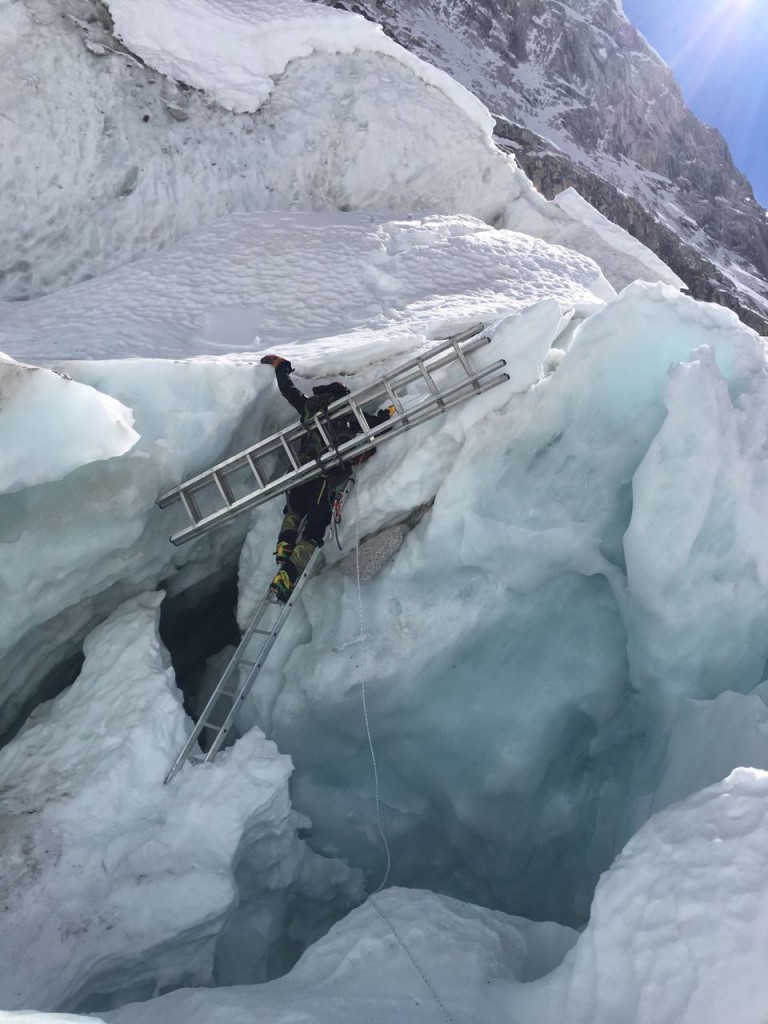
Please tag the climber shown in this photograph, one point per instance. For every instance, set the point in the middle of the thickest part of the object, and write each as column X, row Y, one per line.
column 311, row 501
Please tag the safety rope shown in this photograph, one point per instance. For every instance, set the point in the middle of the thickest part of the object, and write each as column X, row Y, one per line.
column 430, row 988
column 365, row 705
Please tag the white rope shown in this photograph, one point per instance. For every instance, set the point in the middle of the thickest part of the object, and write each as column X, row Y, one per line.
column 365, row 705
column 374, row 904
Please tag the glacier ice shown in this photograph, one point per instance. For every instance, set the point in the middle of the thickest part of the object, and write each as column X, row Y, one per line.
column 109, row 884
column 563, row 580
column 514, row 672
column 676, row 936
column 46, row 412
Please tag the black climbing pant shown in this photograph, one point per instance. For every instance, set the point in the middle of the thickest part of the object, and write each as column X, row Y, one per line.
column 312, row 500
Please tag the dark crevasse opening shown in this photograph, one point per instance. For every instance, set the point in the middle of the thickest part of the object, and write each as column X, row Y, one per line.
column 197, row 624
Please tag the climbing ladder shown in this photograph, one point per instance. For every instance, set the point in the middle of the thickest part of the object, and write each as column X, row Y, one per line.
column 221, row 710
column 257, row 474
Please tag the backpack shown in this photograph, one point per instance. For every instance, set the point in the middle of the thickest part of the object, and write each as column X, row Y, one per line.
column 338, row 431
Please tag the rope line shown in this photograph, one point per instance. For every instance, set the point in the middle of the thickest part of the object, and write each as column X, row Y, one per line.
column 365, row 705
column 428, row 985
column 448, row 1016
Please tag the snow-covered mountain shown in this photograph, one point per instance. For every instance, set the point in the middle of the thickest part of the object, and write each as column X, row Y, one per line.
column 526, row 699
column 583, row 101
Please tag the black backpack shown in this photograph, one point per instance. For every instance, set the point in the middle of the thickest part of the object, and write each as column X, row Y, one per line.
column 339, row 430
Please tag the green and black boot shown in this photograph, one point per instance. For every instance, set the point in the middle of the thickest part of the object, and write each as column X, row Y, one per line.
column 286, row 539
column 282, row 584
column 284, row 580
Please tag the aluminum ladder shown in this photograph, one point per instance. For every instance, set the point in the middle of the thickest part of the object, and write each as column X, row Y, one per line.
column 258, row 474
column 239, row 675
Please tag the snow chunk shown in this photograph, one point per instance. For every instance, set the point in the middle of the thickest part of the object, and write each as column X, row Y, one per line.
column 404, row 956
column 678, row 925
column 113, row 882
column 50, row 425
column 570, row 220
column 234, row 48
column 711, row 738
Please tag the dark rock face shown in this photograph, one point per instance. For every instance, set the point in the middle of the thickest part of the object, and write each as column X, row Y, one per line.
column 551, row 172
column 582, row 100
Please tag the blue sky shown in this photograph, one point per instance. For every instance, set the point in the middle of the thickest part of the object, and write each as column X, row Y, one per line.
column 718, row 50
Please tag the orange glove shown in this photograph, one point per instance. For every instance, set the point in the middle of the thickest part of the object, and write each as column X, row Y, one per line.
column 391, row 410
column 277, row 362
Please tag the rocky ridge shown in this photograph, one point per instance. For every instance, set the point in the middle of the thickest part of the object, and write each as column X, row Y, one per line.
column 583, row 100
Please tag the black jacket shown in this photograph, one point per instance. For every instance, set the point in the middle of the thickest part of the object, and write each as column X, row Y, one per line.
column 347, row 425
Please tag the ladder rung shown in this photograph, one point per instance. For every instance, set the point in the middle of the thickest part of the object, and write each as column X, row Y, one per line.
column 393, row 397
column 428, row 377
column 190, row 748
column 359, row 415
column 289, row 451
column 224, row 489
column 190, row 505
column 255, row 469
column 321, row 431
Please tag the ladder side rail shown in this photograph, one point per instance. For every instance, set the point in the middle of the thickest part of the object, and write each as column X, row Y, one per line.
column 242, row 692
column 383, row 389
column 452, row 347
column 409, row 372
column 468, row 332
column 456, row 395
column 274, row 444
column 437, row 399
column 349, row 450
column 283, row 483
column 210, row 705
column 415, row 369
column 250, row 679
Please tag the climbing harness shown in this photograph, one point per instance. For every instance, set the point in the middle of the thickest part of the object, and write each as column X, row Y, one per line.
column 338, row 496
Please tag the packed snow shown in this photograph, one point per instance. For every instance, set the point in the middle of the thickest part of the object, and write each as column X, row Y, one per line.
column 235, row 283
column 546, row 621
column 233, row 50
